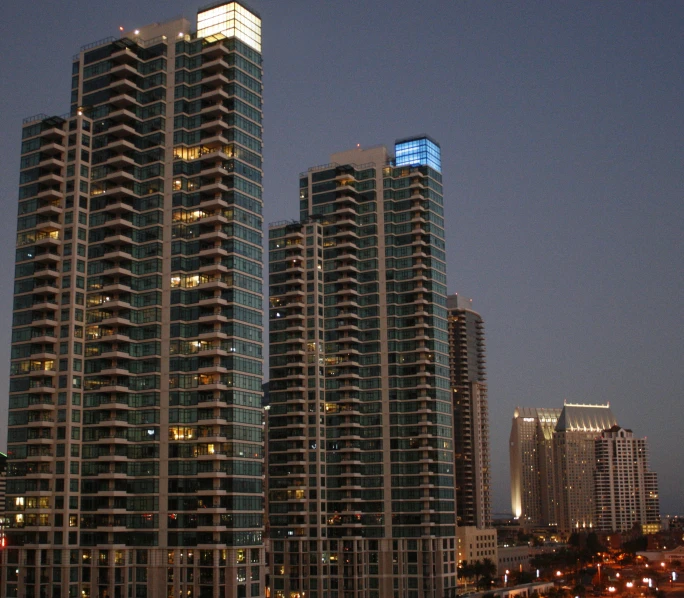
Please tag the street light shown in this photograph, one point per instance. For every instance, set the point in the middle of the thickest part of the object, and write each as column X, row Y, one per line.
column 506, row 578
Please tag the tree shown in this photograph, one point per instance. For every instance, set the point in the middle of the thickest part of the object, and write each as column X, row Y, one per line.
column 483, row 572
column 636, row 545
column 627, row 558
column 593, row 544
column 579, row 590
column 488, row 567
column 466, row 570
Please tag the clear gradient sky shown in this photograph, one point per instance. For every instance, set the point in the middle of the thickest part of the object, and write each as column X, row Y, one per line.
column 562, row 134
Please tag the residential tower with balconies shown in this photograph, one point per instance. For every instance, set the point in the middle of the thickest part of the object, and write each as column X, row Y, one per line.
column 135, row 442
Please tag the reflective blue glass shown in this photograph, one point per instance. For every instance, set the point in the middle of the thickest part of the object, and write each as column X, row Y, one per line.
column 418, row 151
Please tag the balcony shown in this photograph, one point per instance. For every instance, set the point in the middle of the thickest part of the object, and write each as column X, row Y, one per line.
column 124, row 86
column 50, row 193
column 123, row 69
column 53, row 148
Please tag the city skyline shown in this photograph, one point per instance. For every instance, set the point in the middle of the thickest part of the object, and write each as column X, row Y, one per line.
column 562, row 183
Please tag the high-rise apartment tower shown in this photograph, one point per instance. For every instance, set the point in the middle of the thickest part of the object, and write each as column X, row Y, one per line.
column 135, row 421
column 360, row 457
column 471, row 413
column 626, row 490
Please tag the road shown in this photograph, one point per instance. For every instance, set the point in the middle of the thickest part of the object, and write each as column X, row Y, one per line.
column 675, row 590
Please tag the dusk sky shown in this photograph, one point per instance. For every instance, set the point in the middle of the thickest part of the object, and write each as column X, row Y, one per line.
column 562, row 134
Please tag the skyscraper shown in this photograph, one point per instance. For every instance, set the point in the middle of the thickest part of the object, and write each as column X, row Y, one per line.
column 471, row 413
column 360, row 459
column 533, row 485
column 575, row 468
column 135, row 421
column 626, row 490
column 575, row 462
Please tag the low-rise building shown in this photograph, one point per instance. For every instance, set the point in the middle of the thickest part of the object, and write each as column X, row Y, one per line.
column 664, row 556
column 475, row 544
column 513, row 558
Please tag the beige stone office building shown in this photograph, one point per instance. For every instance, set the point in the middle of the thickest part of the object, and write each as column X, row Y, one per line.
column 476, row 544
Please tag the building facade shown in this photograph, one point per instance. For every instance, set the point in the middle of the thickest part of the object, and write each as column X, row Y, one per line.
column 360, row 437
column 533, row 485
column 626, row 490
column 513, row 560
column 575, row 462
column 476, row 544
column 471, row 413
column 135, row 447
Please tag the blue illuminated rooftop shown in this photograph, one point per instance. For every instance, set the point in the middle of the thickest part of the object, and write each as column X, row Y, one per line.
column 418, row 151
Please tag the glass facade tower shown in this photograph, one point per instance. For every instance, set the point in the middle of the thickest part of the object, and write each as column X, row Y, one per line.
column 360, row 436
column 135, row 442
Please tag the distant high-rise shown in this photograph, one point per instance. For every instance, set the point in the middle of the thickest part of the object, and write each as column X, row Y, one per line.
column 626, row 491
column 3, row 486
column 360, row 457
column 471, row 413
column 533, row 494
column 135, row 441
column 576, row 469
column 575, row 461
